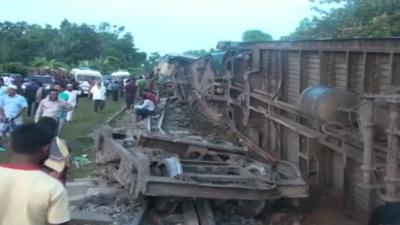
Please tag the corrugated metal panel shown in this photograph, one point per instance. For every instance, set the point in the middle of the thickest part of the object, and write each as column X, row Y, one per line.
column 383, row 70
column 395, row 80
column 293, row 82
column 311, row 69
column 356, row 72
column 340, row 71
column 273, row 69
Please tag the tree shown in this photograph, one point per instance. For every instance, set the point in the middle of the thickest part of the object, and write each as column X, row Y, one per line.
column 70, row 43
column 14, row 67
column 255, row 35
column 105, row 64
column 152, row 61
column 352, row 19
column 199, row 53
column 49, row 65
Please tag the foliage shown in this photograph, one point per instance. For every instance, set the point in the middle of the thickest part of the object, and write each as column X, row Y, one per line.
column 352, row 19
column 152, row 61
column 49, row 65
column 104, row 64
column 255, row 35
column 14, row 67
column 70, row 43
column 199, row 53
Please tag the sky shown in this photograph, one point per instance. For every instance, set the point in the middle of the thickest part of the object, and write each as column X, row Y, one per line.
column 168, row 26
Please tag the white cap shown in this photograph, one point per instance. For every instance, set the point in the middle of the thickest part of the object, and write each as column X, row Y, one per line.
column 12, row 86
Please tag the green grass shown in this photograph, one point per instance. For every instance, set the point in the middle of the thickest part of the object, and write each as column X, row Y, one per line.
column 77, row 133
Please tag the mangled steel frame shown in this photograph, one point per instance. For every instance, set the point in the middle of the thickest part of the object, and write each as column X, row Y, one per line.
column 208, row 171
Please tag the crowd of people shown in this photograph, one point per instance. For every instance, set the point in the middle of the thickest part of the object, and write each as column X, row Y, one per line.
column 59, row 100
column 32, row 189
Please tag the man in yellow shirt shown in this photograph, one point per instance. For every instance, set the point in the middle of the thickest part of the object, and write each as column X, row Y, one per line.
column 28, row 195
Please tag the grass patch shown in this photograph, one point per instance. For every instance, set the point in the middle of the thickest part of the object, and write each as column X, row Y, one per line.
column 77, row 133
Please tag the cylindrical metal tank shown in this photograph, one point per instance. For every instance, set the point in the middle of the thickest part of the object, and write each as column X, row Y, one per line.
column 328, row 104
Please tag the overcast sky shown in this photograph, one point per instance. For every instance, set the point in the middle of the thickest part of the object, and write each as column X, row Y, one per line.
column 168, row 25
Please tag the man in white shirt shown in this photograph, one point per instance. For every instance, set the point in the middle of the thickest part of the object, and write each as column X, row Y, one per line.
column 98, row 92
column 144, row 110
column 72, row 100
column 52, row 107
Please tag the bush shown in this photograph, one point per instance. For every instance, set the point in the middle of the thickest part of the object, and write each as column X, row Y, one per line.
column 14, row 67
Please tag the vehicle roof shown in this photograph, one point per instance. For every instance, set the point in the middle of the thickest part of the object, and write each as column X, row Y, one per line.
column 120, row 73
column 87, row 72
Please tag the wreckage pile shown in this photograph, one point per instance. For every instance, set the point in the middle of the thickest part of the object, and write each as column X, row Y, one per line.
column 185, row 121
column 190, row 159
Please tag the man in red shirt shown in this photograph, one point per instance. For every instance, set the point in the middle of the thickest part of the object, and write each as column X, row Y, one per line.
column 151, row 96
column 130, row 93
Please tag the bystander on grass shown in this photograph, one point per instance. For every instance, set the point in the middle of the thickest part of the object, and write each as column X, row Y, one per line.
column 77, row 134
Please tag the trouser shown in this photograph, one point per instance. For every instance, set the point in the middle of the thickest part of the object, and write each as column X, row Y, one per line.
column 129, row 102
column 115, row 95
column 143, row 113
column 31, row 106
column 61, row 123
column 69, row 115
column 98, row 105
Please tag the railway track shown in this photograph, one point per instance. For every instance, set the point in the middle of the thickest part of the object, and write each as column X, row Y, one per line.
column 192, row 212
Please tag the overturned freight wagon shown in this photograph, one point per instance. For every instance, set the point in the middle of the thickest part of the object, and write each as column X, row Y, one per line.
column 330, row 106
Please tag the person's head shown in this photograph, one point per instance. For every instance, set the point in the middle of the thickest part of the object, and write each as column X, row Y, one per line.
column 144, row 96
column 11, row 90
column 53, row 95
column 70, row 87
column 50, row 123
column 39, row 84
column 98, row 83
column 31, row 140
column 57, row 87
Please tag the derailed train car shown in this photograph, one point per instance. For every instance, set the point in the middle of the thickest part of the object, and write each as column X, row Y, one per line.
column 170, row 70
column 331, row 106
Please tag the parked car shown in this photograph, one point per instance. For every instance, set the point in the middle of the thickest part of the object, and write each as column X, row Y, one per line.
column 46, row 80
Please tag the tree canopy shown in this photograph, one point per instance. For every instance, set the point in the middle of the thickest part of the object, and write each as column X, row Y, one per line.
column 351, row 19
column 199, row 53
column 255, row 35
column 107, row 45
